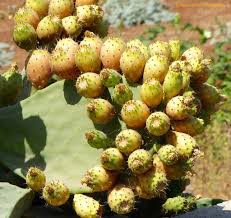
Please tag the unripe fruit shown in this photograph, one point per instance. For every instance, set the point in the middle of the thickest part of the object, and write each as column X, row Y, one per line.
column 168, row 154
column 87, row 207
column 158, row 123
column 71, row 26
column 35, row 179
column 111, row 52
column 24, row 36
column 38, row 69
column 86, row 2
column 151, row 93
column 121, row 94
column 61, row 8
column 135, row 113
column 140, row 161
column 121, row 199
column 160, row 48
column 175, row 49
column 112, row 159
column 132, row 64
column 128, row 140
column 156, row 67
column 99, row 179
column 56, row 193
column 87, row 59
column 89, row 85
column 110, row 77
column 40, row 6
column 100, row 111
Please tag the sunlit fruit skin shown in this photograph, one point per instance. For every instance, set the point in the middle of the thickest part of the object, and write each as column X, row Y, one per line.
column 40, row 6
column 175, row 49
column 135, row 113
column 71, row 26
column 121, row 94
column 168, row 154
column 55, row 193
column 160, row 48
column 86, row 2
column 110, row 77
column 87, row 207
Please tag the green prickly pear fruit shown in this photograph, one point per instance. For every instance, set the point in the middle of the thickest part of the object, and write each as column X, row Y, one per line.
column 39, row 70
column 40, row 6
column 121, row 199
column 168, row 154
column 151, row 93
column 136, row 43
column 192, row 126
column 49, row 29
column 135, row 113
column 87, row 59
column 92, row 40
column 121, row 94
column 56, row 193
column 100, row 111
column 175, row 49
column 24, row 36
column 110, row 77
column 132, row 64
column 63, row 59
column 158, row 124
column 112, row 159
column 89, row 85
column 156, row 67
column 87, row 207
column 71, row 26
column 140, row 161
column 98, row 139
column 61, row 8
column 160, row 48
column 99, row 179
column 128, row 140
column 27, row 15
column 86, row 2
column 35, row 179
column 111, row 52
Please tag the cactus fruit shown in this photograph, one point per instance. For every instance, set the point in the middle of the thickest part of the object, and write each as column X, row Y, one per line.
column 128, row 140
column 151, row 93
column 38, row 69
column 135, row 113
column 111, row 52
column 56, row 193
column 87, row 207
column 35, row 179
column 71, row 26
column 40, row 6
column 61, row 8
column 140, row 161
column 158, row 123
column 192, row 126
column 101, row 28
column 121, row 94
column 175, row 49
column 156, row 67
column 121, row 199
column 193, row 54
column 99, row 179
column 168, row 154
column 110, row 77
column 24, row 36
column 86, row 2
column 160, row 48
column 87, row 59
column 112, row 159
column 132, row 64
column 89, row 85
column 100, row 111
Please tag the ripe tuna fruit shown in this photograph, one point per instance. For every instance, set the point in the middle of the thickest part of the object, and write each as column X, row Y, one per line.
column 71, row 26
column 121, row 94
column 99, row 179
column 38, row 68
column 86, row 2
column 100, row 111
column 160, row 48
column 151, row 93
column 135, row 113
column 158, row 123
column 128, row 140
column 175, row 49
column 156, row 67
column 35, row 179
column 24, row 36
column 121, row 199
column 40, row 6
column 56, row 193
column 63, row 59
column 111, row 52
column 140, row 161
column 61, row 8
column 110, row 77
column 168, row 154
column 87, row 207
column 132, row 64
